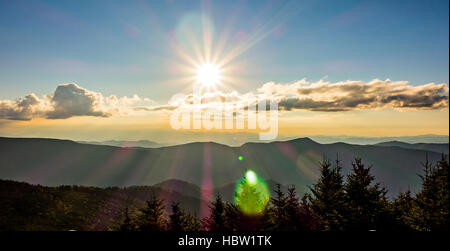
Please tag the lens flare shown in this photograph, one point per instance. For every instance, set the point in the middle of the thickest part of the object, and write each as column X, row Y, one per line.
column 250, row 176
column 251, row 194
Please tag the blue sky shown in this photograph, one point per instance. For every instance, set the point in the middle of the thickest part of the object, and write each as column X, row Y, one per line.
column 91, row 57
column 118, row 47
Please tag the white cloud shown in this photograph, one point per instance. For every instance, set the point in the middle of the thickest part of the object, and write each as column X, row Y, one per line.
column 24, row 108
column 68, row 100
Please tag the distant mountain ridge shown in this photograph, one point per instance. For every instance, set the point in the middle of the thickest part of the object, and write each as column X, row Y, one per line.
column 322, row 139
column 439, row 148
column 426, row 138
column 435, row 147
column 124, row 143
column 61, row 162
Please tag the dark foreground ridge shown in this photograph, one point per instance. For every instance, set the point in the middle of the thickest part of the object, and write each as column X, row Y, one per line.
column 333, row 203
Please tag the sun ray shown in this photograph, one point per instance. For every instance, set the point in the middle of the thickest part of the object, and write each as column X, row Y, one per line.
column 212, row 63
column 207, row 31
column 261, row 33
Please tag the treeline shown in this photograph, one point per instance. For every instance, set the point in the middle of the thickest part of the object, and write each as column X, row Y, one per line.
column 335, row 203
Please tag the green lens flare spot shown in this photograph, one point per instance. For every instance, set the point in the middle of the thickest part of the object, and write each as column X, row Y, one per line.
column 240, row 158
column 251, row 194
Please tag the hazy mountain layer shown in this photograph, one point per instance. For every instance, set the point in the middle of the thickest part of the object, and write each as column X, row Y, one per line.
column 238, row 139
column 439, row 148
column 207, row 165
column 122, row 143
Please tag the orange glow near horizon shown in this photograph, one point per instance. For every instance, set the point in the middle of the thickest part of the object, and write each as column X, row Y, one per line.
column 156, row 127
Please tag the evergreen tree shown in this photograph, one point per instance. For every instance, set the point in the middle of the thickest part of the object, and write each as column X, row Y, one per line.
column 309, row 220
column 403, row 207
column 232, row 217
column 151, row 217
column 176, row 218
column 268, row 222
column 293, row 210
column 179, row 220
column 329, row 196
column 433, row 199
column 276, row 213
column 443, row 217
column 191, row 223
column 247, row 216
column 366, row 201
column 215, row 221
column 249, row 199
column 126, row 225
column 299, row 214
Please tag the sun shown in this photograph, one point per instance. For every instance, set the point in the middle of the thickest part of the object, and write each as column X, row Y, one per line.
column 208, row 74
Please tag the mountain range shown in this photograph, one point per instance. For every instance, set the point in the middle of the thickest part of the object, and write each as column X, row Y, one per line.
column 207, row 165
column 238, row 139
column 439, row 148
column 125, row 143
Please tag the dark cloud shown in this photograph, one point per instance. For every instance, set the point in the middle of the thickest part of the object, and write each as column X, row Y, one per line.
column 351, row 95
column 306, row 103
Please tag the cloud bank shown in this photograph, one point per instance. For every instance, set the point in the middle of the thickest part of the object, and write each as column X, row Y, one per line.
column 328, row 97
column 70, row 100
column 353, row 95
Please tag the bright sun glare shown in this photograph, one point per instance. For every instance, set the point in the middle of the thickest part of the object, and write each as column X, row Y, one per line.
column 251, row 177
column 208, row 74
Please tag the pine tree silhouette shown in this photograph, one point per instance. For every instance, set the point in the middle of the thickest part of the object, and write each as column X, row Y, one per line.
column 215, row 221
column 191, row 223
column 329, row 197
column 179, row 220
column 276, row 214
column 404, row 213
column 151, row 217
column 176, row 218
column 433, row 199
column 232, row 217
column 249, row 198
column 366, row 201
column 126, row 225
column 309, row 220
column 294, row 217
